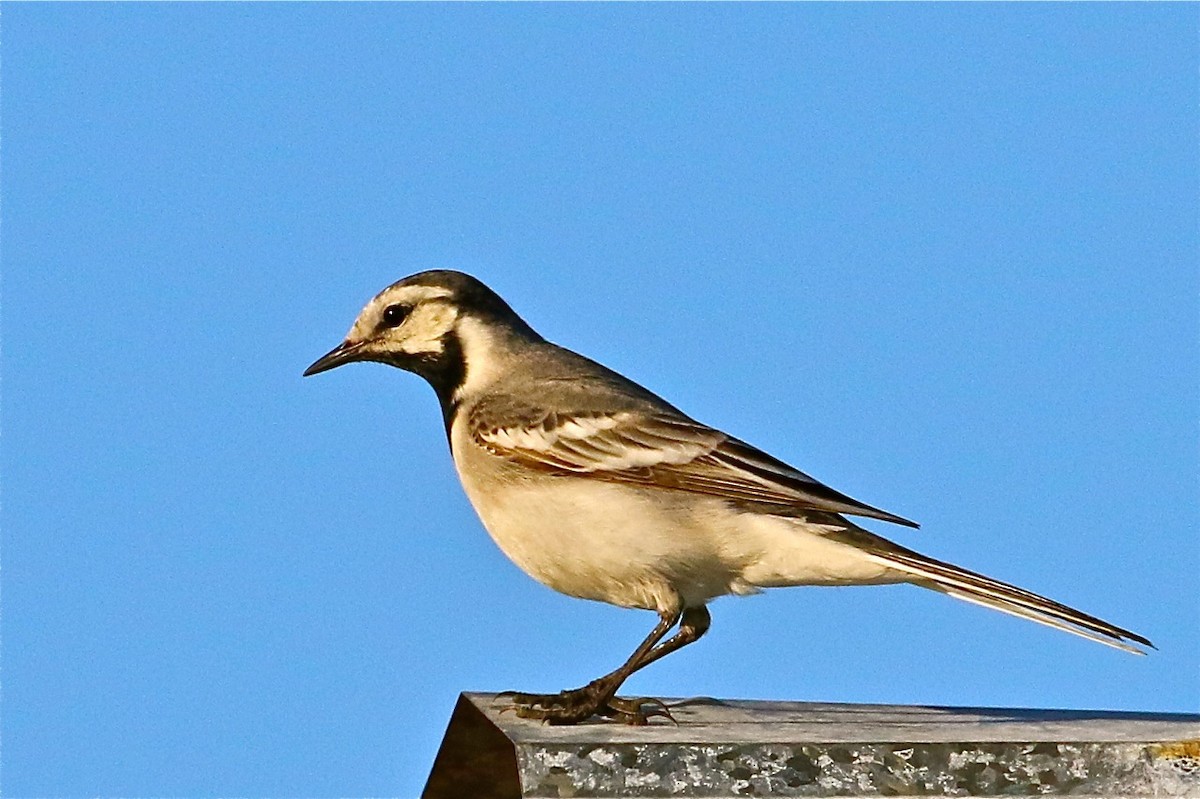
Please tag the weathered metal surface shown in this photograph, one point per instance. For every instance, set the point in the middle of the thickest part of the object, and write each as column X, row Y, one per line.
column 726, row 749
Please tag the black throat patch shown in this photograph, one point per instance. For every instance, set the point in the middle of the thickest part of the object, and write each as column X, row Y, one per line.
column 446, row 372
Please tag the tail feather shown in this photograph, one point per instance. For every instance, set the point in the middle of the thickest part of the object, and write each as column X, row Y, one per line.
column 972, row 587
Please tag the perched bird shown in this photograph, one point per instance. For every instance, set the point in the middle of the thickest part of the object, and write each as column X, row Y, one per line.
column 602, row 490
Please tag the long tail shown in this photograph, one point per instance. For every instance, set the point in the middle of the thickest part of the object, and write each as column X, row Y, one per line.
column 972, row 587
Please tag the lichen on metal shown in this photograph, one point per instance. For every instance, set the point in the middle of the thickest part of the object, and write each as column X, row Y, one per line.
column 849, row 770
column 735, row 749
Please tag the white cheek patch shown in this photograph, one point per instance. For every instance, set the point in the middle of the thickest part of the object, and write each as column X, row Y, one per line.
column 421, row 333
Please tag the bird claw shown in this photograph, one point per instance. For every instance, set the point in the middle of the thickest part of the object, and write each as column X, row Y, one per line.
column 524, row 705
column 572, row 707
column 637, row 711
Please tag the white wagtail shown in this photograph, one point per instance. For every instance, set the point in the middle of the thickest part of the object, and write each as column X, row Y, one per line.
column 599, row 489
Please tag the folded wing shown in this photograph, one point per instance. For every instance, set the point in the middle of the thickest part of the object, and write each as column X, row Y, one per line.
column 663, row 450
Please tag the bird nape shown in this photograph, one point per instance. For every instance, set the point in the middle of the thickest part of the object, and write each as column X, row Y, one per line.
column 602, row 490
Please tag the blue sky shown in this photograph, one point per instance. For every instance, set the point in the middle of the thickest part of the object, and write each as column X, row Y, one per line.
column 943, row 257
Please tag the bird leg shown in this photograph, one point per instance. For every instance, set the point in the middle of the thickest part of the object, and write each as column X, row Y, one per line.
column 599, row 696
column 695, row 623
column 634, row 710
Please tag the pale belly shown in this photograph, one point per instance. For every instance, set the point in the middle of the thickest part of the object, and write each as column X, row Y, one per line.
column 645, row 548
column 604, row 542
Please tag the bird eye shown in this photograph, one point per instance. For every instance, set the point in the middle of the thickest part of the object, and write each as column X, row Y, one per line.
column 394, row 315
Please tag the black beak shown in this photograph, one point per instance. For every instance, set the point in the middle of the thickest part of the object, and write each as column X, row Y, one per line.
column 344, row 353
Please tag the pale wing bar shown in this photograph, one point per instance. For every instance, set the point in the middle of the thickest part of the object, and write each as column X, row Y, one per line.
column 670, row 452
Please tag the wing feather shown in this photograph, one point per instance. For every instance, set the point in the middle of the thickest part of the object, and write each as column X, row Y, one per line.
column 668, row 451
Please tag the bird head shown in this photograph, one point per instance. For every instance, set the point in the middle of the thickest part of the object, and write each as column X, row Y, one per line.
column 432, row 323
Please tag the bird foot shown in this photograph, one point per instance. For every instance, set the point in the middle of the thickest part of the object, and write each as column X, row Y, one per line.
column 636, row 710
column 580, row 704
